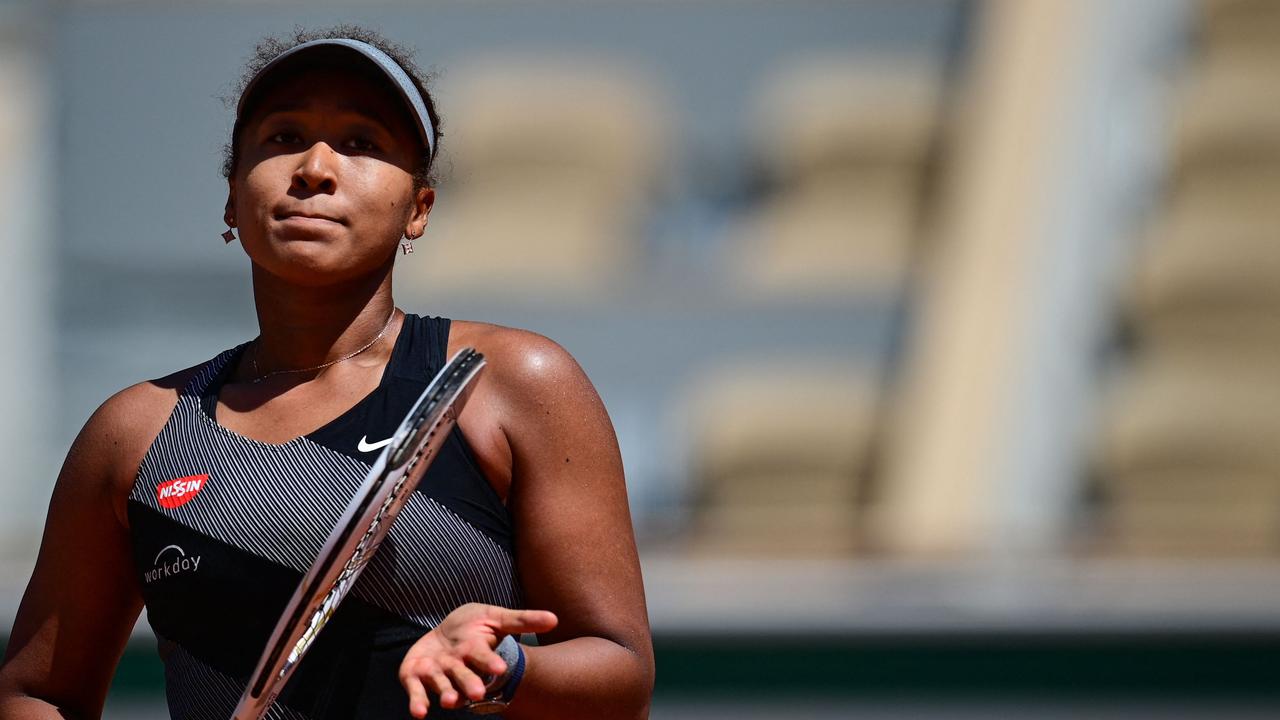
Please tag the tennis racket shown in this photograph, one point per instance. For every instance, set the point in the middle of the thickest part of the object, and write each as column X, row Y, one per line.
column 359, row 531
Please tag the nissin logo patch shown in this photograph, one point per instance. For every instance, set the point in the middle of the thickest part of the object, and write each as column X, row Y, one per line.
column 180, row 491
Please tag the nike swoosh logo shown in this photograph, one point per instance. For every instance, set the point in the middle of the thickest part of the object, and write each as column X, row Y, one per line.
column 365, row 446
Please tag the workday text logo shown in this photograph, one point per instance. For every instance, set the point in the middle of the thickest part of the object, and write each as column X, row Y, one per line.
column 170, row 561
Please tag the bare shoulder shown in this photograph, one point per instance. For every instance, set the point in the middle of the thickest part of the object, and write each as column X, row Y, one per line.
column 533, row 406
column 116, row 437
column 525, row 364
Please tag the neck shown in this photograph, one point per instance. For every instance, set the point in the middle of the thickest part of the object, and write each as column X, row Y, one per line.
column 304, row 326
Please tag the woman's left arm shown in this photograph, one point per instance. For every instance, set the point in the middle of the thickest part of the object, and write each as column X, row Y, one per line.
column 575, row 548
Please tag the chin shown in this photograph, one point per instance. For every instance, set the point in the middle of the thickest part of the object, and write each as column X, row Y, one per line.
column 319, row 264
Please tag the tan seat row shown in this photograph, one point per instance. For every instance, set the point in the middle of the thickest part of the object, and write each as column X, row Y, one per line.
column 1189, row 461
column 555, row 166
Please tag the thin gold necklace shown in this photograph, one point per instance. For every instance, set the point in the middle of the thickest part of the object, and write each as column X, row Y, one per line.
column 321, row 366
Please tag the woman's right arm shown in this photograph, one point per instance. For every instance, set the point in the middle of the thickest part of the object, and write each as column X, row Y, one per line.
column 83, row 598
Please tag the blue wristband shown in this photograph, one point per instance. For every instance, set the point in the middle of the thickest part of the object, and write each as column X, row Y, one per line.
column 501, row 688
column 511, row 651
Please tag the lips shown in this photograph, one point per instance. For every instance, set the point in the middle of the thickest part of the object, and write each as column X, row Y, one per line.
column 307, row 217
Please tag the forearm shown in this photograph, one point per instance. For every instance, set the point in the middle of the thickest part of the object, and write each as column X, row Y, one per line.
column 24, row 707
column 586, row 677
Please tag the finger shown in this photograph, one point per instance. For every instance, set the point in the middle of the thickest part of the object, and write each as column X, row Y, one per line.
column 437, row 681
column 483, row 659
column 515, row 622
column 465, row 680
column 418, row 701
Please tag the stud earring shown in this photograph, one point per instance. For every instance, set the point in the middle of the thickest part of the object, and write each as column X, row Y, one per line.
column 228, row 236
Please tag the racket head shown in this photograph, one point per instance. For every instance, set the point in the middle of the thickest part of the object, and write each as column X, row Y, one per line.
column 360, row 530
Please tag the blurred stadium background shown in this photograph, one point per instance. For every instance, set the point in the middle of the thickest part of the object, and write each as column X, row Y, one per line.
column 941, row 337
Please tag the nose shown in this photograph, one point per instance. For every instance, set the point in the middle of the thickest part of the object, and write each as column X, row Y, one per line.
column 316, row 171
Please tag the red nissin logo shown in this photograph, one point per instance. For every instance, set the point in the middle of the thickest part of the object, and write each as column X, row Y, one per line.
column 180, row 491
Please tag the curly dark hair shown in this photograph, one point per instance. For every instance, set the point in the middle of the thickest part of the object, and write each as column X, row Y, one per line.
column 268, row 48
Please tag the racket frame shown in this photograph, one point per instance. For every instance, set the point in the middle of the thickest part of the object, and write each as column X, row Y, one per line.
column 367, row 520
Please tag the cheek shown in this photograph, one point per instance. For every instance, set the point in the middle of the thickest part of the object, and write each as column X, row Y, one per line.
column 257, row 186
column 386, row 203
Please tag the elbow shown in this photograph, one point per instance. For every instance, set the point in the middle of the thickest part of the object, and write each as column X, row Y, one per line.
column 638, row 706
column 644, row 684
column 18, row 701
column 633, row 682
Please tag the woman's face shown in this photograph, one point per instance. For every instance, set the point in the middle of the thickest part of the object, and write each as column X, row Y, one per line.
column 323, row 189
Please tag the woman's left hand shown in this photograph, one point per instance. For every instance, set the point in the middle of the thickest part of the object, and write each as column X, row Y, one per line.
column 451, row 660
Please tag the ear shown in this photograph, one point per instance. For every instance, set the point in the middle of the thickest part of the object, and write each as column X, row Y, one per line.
column 423, row 199
column 229, row 212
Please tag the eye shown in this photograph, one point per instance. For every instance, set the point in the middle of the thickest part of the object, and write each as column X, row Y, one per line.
column 362, row 143
column 285, row 137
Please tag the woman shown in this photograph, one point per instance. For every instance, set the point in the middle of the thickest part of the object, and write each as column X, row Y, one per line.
column 204, row 494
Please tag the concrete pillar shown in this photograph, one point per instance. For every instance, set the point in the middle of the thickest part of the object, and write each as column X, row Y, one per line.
column 1053, row 150
column 27, row 250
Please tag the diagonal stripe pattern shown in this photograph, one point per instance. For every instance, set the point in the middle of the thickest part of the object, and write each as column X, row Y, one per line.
column 279, row 503
column 196, row 691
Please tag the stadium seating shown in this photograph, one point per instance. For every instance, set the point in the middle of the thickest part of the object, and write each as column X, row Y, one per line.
column 843, row 144
column 1189, row 460
column 549, row 164
column 780, row 455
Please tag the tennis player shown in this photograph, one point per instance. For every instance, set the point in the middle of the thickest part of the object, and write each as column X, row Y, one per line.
column 204, row 495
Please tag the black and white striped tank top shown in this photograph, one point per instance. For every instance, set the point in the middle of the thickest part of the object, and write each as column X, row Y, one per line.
column 223, row 526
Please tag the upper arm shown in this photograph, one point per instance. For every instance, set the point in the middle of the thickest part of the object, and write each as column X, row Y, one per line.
column 575, row 548
column 83, row 598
